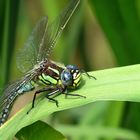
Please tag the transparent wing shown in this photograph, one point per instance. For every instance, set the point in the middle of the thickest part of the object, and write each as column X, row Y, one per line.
column 7, row 93
column 55, row 29
column 27, row 56
column 43, row 38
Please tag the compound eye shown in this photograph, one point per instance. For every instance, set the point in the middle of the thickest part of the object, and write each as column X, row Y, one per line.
column 66, row 77
column 72, row 67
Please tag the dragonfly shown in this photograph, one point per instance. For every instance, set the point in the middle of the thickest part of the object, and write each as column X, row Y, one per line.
column 39, row 70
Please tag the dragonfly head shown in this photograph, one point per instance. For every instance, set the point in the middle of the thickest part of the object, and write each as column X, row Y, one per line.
column 71, row 76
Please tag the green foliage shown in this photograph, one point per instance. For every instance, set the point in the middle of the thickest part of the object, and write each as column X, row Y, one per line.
column 99, row 132
column 39, row 131
column 8, row 18
column 118, row 84
column 120, row 23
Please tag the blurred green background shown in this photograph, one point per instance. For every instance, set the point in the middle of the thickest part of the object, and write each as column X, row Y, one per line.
column 101, row 34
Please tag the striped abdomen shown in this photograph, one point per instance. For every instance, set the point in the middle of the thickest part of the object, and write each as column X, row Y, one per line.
column 10, row 100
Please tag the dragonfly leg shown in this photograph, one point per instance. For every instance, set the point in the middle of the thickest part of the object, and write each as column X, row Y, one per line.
column 51, row 98
column 90, row 76
column 38, row 92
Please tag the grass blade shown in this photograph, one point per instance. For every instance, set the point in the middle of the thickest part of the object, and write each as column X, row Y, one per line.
column 117, row 84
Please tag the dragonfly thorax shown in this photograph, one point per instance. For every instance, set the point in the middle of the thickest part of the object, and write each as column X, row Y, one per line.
column 71, row 76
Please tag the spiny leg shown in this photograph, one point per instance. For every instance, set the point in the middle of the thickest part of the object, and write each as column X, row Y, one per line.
column 51, row 98
column 38, row 92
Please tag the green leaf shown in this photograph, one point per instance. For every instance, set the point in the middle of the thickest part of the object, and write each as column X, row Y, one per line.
column 99, row 132
column 39, row 131
column 8, row 38
column 120, row 23
column 117, row 84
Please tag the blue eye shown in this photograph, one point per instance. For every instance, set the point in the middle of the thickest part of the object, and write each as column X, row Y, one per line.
column 66, row 77
column 72, row 67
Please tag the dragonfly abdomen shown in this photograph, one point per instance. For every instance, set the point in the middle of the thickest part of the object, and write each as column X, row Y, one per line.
column 6, row 109
column 10, row 100
column 26, row 88
column 50, row 77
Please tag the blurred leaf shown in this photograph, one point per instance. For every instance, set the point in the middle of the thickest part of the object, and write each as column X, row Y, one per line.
column 39, row 131
column 51, row 8
column 8, row 39
column 94, row 113
column 98, row 132
column 118, row 84
column 132, row 119
column 74, row 29
column 120, row 22
column 121, row 25
column 116, row 110
column 2, row 7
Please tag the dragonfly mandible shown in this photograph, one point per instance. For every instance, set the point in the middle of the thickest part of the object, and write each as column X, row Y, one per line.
column 33, row 60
